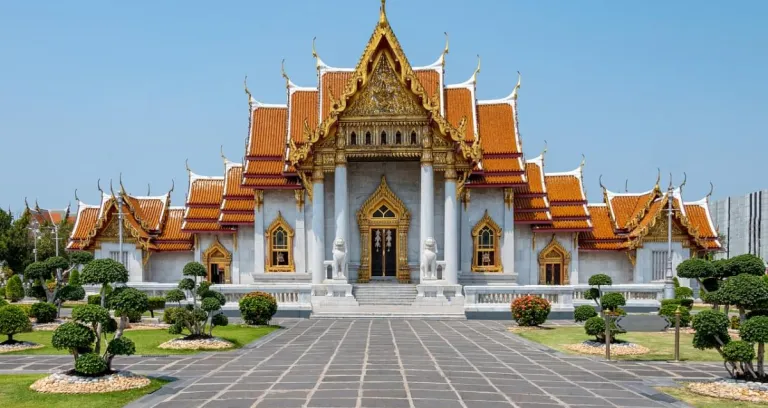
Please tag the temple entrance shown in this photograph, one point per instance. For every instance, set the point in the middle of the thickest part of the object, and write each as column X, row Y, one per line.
column 383, row 220
column 217, row 261
column 384, row 253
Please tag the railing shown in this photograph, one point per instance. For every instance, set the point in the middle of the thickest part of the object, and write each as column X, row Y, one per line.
column 288, row 295
column 562, row 298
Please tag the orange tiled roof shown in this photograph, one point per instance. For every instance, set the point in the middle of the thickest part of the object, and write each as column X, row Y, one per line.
column 241, row 205
column 268, row 130
column 458, row 105
column 698, row 216
column 173, row 238
column 232, row 186
column 531, row 216
column 236, row 218
column 272, row 182
column 497, row 129
column 430, row 80
column 627, row 209
column 205, row 191
column 204, row 205
column 530, row 203
column 602, row 236
column 202, row 213
column 303, row 106
column 148, row 211
column 332, row 83
column 567, row 211
column 534, row 175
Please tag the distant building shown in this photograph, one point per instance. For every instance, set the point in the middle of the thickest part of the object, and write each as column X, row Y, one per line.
column 743, row 224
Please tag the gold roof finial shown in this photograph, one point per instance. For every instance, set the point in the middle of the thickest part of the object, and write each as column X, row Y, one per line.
column 173, row 186
column 685, row 178
column 711, row 190
column 477, row 70
column 514, row 92
column 149, row 189
column 111, row 190
column 658, row 178
column 76, row 199
column 670, row 181
column 600, row 180
column 282, row 72
column 98, row 185
column 383, row 13
column 223, row 157
column 186, row 163
column 445, row 50
column 314, row 54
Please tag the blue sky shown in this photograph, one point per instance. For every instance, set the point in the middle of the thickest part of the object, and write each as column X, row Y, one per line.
column 90, row 89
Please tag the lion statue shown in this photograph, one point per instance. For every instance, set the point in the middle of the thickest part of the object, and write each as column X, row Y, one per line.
column 429, row 259
column 339, row 258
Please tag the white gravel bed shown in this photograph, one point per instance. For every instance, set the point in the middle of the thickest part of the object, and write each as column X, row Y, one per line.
column 617, row 349
column 24, row 345
column 213, row 343
column 731, row 389
column 61, row 383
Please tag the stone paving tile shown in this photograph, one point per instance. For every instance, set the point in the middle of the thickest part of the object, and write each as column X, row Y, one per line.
column 394, row 363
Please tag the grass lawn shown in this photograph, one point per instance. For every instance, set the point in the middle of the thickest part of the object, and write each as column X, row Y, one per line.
column 148, row 340
column 700, row 401
column 15, row 392
column 661, row 344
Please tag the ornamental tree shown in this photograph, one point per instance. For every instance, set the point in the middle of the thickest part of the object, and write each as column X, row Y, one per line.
column 606, row 302
column 200, row 319
column 755, row 330
column 175, row 295
column 104, row 272
column 13, row 320
column 14, row 291
column 744, row 291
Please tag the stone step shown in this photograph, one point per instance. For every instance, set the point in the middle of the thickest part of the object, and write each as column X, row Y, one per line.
column 392, row 315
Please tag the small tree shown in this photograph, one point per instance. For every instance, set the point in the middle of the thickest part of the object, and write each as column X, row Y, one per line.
column 43, row 312
column 609, row 303
column 755, row 330
column 13, row 320
column 14, row 291
column 744, row 291
column 155, row 303
column 103, row 272
column 175, row 295
column 595, row 293
column 195, row 318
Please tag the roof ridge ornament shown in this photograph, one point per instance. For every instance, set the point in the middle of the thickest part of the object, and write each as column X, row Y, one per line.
column 583, row 162
column 76, row 199
column 514, row 91
column 149, row 190
column 658, row 179
column 383, row 13
column 288, row 82
column 122, row 189
column 251, row 101
column 711, row 190
column 98, row 186
column 186, row 163
column 626, row 185
column 318, row 62
column 685, row 178
column 223, row 157
column 600, row 180
column 445, row 50
column 112, row 190
column 477, row 70
column 173, row 186
column 543, row 152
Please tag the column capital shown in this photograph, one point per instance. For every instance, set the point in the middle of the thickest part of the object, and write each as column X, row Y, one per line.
column 509, row 197
column 317, row 175
column 258, row 199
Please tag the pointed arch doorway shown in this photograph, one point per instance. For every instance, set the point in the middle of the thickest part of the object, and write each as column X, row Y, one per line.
column 383, row 220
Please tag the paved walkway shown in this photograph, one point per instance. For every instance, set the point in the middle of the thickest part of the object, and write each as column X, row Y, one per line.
column 395, row 363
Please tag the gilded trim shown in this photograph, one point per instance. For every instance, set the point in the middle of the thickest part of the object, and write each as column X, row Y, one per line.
column 493, row 265
column 280, row 222
column 561, row 257
column 218, row 253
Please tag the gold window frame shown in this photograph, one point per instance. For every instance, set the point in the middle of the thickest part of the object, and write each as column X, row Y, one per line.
column 218, row 254
column 488, row 222
column 278, row 223
column 554, row 254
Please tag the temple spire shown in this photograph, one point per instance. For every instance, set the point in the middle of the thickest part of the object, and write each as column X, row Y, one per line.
column 383, row 13
column 445, row 50
column 514, row 92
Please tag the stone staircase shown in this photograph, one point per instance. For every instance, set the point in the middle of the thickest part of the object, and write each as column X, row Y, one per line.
column 385, row 300
column 384, row 294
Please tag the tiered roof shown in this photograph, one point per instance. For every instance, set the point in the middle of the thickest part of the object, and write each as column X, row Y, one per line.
column 625, row 219
column 148, row 220
column 53, row 216
column 205, row 197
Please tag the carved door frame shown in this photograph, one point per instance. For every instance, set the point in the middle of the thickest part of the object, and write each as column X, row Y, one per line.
column 367, row 223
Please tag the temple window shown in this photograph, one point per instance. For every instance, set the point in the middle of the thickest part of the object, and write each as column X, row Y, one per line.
column 413, row 138
column 398, row 138
column 383, row 137
column 367, row 138
column 353, row 139
column 553, row 264
column 280, row 255
column 383, row 212
column 485, row 237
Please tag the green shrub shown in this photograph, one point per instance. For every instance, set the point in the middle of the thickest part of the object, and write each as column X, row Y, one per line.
column 103, row 271
column 2, row 291
column 745, row 264
column 27, row 309
column 710, row 326
column 220, row 320
column 74, row 278
column 755, row 330
column 72, row 293
column 90, row 314
column 122, row 346
column 134, row 317
column 175, row 295
column 665, row 302
column 257, row 308
column 90, row 364
column 687, row 303
column 756, row 312
column 155, row 303
column 584, row 312
column 73, row 336
column 13, row 320
column 194, row 269
column 600, row 280
column 37, row 291
column 530, row 310
column 696, row 268
column 739, row 351
column 43, row 312
column 14, row 291
column 128, row 302
column 668, row 311
column 595, row 326
column 170, row 313
column 676, row 282
column 744, row 291
column 94, row 300
column 613, row 300
column 683, row 293
column 80, row 257
column 3, row 302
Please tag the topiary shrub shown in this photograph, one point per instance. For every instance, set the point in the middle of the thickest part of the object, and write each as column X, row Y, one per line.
column 74, row 337
column 257, row 308
column 739, row 351
column 711, row 328
column 90, row 364
column 155, row 303
column 72, row 293
column 669, row 310
column 37, row 291
column 595, row 326
column 94, row 300
column 3, row 302
column 26, row 308
column 612, row 301
column 14, row 291
column 683, row 292
column 755, row 330
column 743, row 291
column 43, row 312
column 13, row 320
column 134, row 317
column 583, row 312
column 121, row 346
column 169, row 314
column 745, row 264
column 530, row 310
column 175, row 295
column 74, row 278
column 197, row 319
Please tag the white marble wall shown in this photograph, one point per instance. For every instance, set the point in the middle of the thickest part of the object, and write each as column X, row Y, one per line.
column 244, row 256
column 284, row 202
column 643, row 267
column 166, row 267
column 136, row 272
column 612, row 263
column 527, row 255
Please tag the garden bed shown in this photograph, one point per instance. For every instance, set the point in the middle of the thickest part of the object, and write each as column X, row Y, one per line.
column 212, row 343
column 617, row 349
column 19, row 346
column 732, row 390
column 68, row 383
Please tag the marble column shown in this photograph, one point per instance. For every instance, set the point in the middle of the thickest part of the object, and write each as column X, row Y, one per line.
column 340, row 203
column 259, row 245
column 451, row 250
column 427, row 209
column 508, row 233
column 299, row 244
column 318, row 227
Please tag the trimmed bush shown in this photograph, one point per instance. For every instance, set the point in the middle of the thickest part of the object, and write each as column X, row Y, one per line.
column 668, row 311
column 687, row 303
column 43, row 312
column 72, row 293
column 155, row 303
column 91, row 314
column 220, row 320
column 683, row 293
column 74, row 278
column 101, row 271
column 194, row 269
column 14, row 291
column 74, row 337
column 757, row 312
column 94, row 300
column 530, row 310
column 744, row 291
column 3, row 302
column 710, row 326
column 175, row 295
column 122, row 346
column 595, row 326
column 739, row 351
column 745, row 264
column 80, row 257
column 13, row 320
column 600, row 280
column 257, row 308
column 169, row 314
column 37, row 291
column 696, row 268
column 612, row 301
column 90, row 364
column 584, row 312
column 134, row 317
column 26, row 308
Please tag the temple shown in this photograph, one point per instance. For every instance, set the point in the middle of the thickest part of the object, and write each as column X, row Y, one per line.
column 383, row 172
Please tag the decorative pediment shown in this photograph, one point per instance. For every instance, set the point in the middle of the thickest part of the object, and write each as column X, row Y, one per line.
column 383, row 196
column 384, row 96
